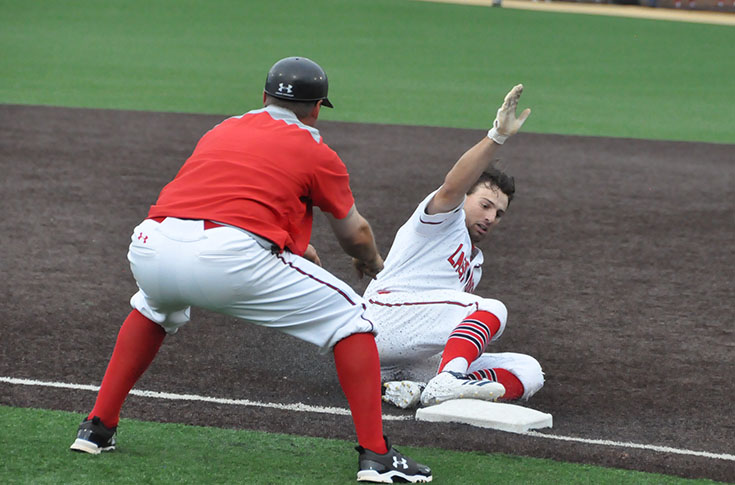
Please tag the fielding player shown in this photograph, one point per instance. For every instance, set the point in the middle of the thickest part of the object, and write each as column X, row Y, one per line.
column 230, row 233
column 422, row 301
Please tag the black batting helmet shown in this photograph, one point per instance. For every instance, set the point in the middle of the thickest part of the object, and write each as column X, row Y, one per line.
column 298, row 79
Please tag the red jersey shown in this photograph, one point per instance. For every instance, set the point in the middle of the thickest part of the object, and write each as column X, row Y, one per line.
column 261, row 171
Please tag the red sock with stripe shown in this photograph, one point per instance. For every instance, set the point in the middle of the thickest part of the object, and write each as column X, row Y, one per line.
column 137, row 344
column 513, row 386
column 469, row 340
column 358, row 369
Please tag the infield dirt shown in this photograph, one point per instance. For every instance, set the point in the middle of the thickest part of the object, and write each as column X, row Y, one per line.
column 615, row 260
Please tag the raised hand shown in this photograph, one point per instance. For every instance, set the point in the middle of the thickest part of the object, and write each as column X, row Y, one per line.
column 506, row 122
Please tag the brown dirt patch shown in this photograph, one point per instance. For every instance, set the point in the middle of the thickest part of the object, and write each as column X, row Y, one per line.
column 615, row 261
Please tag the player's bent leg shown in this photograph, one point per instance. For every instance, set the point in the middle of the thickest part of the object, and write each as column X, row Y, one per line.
column 524, row 367
column 413, row 326
column 162, row 266
column 358, row 370
column 513, row 386
column 170, row 319
column 137, row 344
column 300, row 299
column 468, row 340
column 498, row 309
column 231, row 272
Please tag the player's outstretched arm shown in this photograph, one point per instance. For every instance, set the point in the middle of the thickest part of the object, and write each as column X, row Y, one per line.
column 474, row 161
column 356, row 238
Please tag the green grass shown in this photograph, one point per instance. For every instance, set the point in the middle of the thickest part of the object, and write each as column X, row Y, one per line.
column 35, row 443
column 389, row 61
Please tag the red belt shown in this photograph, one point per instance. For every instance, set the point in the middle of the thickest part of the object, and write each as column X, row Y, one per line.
column 207, row 224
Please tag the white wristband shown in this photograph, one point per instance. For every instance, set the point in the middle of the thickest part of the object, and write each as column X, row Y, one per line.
column 497, row 137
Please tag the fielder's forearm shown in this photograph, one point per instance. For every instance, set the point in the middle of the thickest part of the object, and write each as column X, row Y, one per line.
column 355, row 236
column 361, row 243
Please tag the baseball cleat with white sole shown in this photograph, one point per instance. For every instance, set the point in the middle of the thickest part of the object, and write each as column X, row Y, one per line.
column 403, row 394
column 94, row 437
column 391, row 467
column 453, row 385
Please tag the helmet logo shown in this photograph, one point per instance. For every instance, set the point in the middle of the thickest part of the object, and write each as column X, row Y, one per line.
column 285, row 88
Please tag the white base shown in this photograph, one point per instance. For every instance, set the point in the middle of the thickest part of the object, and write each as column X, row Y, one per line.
column 485, row 414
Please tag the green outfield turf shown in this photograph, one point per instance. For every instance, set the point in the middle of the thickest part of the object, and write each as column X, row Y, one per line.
column 389, row 61
column 35, row 445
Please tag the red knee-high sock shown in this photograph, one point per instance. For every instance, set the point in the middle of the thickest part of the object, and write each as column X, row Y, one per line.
column 470, row 338
column 137, row 344
column 513, row 386
column 358, row 369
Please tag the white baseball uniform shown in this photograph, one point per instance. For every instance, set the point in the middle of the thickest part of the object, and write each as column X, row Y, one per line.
column 424, row 292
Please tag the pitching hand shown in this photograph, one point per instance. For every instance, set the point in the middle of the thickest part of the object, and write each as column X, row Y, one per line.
column 506, row 123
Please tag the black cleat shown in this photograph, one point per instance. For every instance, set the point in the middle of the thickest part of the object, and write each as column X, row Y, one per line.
column 94, row 437
column 392, row 467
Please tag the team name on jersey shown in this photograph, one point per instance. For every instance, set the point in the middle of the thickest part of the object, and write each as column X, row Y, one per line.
column 461, row 264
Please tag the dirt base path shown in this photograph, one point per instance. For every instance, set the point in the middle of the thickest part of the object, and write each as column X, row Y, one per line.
column 615, row 261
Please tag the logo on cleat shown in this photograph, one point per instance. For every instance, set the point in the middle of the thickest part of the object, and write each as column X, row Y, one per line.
column 484, row 382
column 397, row 462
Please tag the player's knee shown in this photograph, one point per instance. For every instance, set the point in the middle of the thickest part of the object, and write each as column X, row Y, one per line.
column 526, row 369
column 497, row 308
column 530, row 374
column 171, row 321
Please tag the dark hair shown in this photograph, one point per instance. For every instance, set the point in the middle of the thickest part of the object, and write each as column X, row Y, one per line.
column 300, row 108
column 494, row 177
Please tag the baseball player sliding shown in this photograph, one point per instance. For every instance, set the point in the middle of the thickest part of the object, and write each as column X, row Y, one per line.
column 430, row 325
column 230, row 233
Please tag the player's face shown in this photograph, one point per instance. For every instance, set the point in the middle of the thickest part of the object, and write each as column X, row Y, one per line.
column 483, row 210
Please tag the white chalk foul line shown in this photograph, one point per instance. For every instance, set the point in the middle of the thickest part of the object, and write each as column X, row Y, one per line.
column 624, row 444
column 300, row 407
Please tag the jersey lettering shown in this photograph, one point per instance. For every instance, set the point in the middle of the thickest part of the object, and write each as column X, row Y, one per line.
column 469, row 287
column 451, row 258
column 460, row 262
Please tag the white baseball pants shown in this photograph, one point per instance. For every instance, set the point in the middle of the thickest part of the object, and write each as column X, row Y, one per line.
column 413, row 328
column 178, row 264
